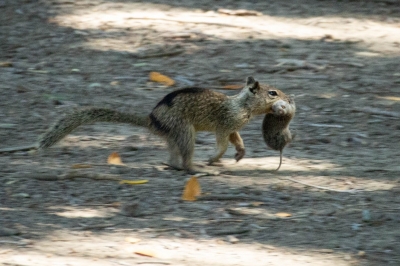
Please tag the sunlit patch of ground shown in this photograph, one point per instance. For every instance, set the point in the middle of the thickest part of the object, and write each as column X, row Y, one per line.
column 122, row 248
column 380, row 37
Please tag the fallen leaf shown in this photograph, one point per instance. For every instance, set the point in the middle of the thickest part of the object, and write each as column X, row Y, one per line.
column 80, row 166
column 114, row 158
column 160, row 78
column 232, row 87
column 132, row 240
column 283, row 214
column 192, row 189
column 147, row 253
column 133, row 182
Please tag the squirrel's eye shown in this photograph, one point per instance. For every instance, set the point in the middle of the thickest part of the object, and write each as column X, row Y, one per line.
column 273, row 93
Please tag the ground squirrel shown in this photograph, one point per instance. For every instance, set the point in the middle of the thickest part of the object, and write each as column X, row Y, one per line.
column 180, row 114
column 275, row 127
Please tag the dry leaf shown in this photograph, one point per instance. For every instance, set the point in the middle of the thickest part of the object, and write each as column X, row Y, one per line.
column 192, row 189
column 133, row 182
column 160, row 78
column 132, row 240
column 283, row 214
column 147, row 253
column 80, row 166
column 114, row 158
column 233, row 87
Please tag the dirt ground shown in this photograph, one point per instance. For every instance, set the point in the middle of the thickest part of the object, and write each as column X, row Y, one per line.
column 340, row 59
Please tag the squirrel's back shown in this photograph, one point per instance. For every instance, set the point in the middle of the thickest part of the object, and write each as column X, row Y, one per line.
column 202, row 108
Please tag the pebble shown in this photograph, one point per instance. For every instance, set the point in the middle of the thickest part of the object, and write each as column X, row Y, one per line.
column 366, row 216
column 356, row 227
column 232, row 239
column 131, row 210
column 95, row 85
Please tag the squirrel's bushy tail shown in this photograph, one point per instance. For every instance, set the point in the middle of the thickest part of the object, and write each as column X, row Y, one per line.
column 70, row 122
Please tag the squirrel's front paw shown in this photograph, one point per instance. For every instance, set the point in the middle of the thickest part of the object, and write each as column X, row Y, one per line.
column 240, row 154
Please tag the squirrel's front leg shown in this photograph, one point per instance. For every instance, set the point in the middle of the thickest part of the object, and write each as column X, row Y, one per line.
column 222, row 146
column 237, row 141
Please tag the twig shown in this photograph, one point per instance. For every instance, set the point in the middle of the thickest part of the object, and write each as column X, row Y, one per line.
column 160, row 54
column 95, row 226
column 15, row 264
column 153, row 262
column 239, row 12
column 233, row 197
column 75, row 174
column 324, row 77
column 319, row 187
column 19, row 148
column 191, row 21
column 324, row 125
column 293, row 64
column 376, row 111
column 231, row 232
column 94, row 176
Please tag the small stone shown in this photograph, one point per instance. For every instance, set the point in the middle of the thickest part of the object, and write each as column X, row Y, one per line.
column 361, row 253
column 131, row 210
column 95, row 85
column 366, row 216
column 232, row 239
column 356, row 227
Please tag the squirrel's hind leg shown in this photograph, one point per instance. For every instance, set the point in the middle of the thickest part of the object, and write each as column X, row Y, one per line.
column 174, row 155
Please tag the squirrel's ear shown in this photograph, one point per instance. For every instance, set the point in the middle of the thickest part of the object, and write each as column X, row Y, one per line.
column 250, row 80
column 255, row 87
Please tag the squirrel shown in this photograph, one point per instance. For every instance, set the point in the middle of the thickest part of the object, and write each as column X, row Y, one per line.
column 275, row 126
column 180, row 114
